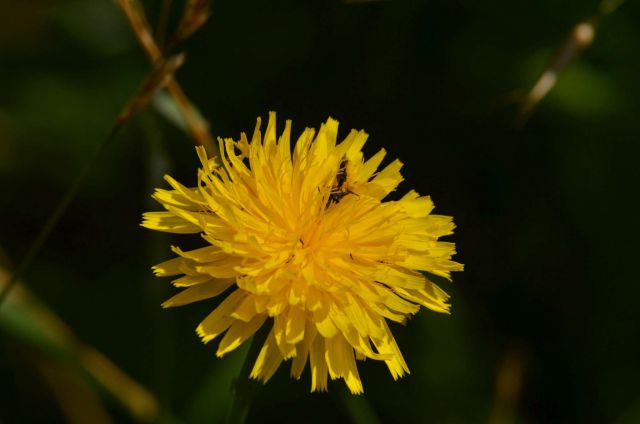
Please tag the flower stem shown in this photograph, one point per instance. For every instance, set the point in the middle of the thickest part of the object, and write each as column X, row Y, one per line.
column 243, row 388
column 358, row 407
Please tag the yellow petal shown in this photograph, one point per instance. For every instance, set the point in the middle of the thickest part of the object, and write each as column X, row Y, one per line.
column 432, row 297
column 389, row 178
column 238, row 333
column 417, row 208
column 397, row 366
column 369, row 167
column 324, row 324
column 169, row 268
column 318, row 365
column 198, row 292
column 268, row 360
column 356, row 316
column 287, row 349
column 246, row 310
column 220, row 319
column 395, row 276
column 295, row 325
column 202, row 255
column 342, row 364
column 169, row 223
column 302, row 350
column 191, row 280
column 175, row 198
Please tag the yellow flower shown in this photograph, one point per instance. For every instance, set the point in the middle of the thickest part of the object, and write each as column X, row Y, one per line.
column 305, row 240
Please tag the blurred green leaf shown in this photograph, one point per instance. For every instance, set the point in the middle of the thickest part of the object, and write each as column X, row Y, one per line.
column 586, row 91
column 94, row 25
column 166, row 105
column 26, row 319
column 211, row 401
column 630, row 415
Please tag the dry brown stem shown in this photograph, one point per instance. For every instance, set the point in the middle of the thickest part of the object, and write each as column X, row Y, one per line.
column 579, row 39
column 198, row 127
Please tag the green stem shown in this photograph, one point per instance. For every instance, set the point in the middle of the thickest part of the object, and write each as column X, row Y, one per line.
column 44, row 233
column 243, row 388
column 358, row 407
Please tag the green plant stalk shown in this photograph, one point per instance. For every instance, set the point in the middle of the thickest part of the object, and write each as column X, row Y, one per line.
column 243, row 388
column 358, row 407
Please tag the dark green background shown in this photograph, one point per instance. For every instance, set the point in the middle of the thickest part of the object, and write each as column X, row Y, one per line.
column 546, row 214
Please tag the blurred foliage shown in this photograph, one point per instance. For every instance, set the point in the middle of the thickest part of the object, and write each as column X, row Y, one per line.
column 60, row 357
column 544, row 325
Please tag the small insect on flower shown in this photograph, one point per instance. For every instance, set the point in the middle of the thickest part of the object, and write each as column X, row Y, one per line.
column 341, row 186
column 305, row 243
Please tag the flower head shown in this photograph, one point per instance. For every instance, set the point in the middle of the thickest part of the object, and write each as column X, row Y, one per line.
column 305, row 241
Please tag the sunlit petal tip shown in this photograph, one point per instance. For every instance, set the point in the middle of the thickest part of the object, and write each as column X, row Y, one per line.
column 200, row 332
column 206, row 338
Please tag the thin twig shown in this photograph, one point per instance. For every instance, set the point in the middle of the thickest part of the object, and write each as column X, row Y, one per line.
column 198, row 127
column 579, row 39
column 196, row 13
column 163, row 20
column 158, row 78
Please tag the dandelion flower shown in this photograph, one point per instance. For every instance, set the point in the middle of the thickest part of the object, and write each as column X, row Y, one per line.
column 304, row 242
